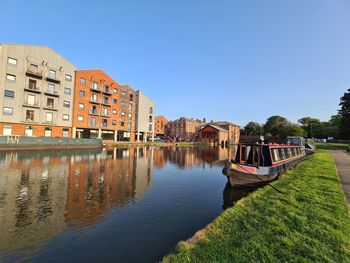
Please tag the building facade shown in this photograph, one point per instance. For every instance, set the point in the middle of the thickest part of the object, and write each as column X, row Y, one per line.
column 183, row 129
column 161, row 122
column 37, row 89
column 103, row 109
column 214, row 132
column 145, row 118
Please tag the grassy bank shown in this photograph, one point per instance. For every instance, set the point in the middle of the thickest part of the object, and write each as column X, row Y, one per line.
column 309, row 222
column 332, row 146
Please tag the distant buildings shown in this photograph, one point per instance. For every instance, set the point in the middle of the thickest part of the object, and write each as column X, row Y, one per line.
column 183, row 129
column 222, row 132
column 161, row 122
column 46, row 95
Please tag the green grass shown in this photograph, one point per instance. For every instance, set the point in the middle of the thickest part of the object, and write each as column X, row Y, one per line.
column 310, row 222
column 332, row 146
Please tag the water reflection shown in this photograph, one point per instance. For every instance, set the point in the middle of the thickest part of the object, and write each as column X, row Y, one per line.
column 231, row 195
column 45, row 193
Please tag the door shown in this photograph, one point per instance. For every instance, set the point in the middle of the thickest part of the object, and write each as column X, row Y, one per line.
column 243, row 154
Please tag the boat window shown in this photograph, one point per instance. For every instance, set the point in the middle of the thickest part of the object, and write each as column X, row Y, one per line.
column 289, row 151
column 256, row 155
column 249, row 155
column 282, row 155
column 275, row 155
column 243, row 154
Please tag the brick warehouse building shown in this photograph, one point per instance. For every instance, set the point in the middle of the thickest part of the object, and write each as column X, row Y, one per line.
column 104, row 109
column 222, row 132
column 37, row 89
column 183, row 129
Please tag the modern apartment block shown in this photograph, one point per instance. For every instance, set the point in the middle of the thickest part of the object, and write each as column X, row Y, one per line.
column 183, row 129
column 97, row 105
column 145, row 117
column 161, row 122
column 37, row 89
column 128, row 114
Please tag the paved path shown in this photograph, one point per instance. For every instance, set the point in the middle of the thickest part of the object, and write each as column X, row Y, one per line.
column 342, row 162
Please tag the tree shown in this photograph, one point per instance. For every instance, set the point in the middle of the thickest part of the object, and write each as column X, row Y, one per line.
column 310, row 125
column 292, row 130
column 344, row 127
column 275, row 125
column 252, row 128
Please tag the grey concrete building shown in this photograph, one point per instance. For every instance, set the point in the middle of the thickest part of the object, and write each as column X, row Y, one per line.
column 36, row 89
column 145, row 117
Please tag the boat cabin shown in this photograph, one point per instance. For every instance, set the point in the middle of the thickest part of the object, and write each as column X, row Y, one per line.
column 267, row 154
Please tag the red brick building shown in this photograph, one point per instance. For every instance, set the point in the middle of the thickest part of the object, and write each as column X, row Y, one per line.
column 161, row 123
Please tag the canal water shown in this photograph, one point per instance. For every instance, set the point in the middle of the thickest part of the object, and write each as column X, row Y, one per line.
column 119, row 205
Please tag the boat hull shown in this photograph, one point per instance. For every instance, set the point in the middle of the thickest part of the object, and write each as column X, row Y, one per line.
column 241, row 176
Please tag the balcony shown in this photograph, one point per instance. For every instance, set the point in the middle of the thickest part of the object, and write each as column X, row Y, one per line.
column 53, row 78
column 105, row 114
column 94, row 112
column 96, row 101
column 49, row 122
column 32, row 88
column 50, row 107
column 29, row 121
column 53, row 93
column 95, row 88
column 31, row 104
column 34, row 72
column 107, row 91
column 106, row 102
column 92, row 124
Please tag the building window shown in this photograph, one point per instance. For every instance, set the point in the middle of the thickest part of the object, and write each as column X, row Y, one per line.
column 65, row 133
column 114, row 101
column 65, row 117
column 129, row 126
column 82, row 93
column 114, row 112
column 67, row 91
column 150, row 110
column 82, row 81
column 68, row 78
column 7, row 111
column 115, row 90
column 12, row 61
column 66, row 104
column 48, row 132
column 7, row 130
column 28, row 131
column 81, row 106
column 129, row 116
column 29, row 115
column 150, row 119
column 114, row 122
column 131, row 97
column 52, row 74
column 51, row 88
column 50, row 103
column 49, row 116
column 122, row 113
column 93, row 122
column 80, row 118
column 130, row 107
column 123, row 94
column 9, row 94
column 10, row 78
column 123, row 104
column 122, row 123
column 30, row 99
column 150, row 128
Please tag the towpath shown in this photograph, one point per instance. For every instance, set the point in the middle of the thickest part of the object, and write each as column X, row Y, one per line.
column 342, row 162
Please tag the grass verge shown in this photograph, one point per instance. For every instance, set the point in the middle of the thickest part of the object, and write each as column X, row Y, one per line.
column 309, row 222
column 332, row 146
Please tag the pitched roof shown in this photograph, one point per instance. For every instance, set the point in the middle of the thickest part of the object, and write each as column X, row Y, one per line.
column 215, row 127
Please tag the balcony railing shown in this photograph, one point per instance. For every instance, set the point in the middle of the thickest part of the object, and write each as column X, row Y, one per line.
column 93, row 112
column 106, row 114
column 104, row 125
column 53, row 77
column 92, row 124
column 51, row 93
column 34, row 72
column 106, row 102
column 33, row 88
column 92, row 100
column 34, row 104
column 107, row 91
column 95, row 88
column 50, row 107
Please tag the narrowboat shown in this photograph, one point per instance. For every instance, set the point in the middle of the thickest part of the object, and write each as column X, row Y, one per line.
column 257, row 164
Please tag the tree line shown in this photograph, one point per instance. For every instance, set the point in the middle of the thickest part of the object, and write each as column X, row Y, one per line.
column 277, row 126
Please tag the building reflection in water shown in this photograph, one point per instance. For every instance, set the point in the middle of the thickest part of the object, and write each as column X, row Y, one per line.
column 43, row 193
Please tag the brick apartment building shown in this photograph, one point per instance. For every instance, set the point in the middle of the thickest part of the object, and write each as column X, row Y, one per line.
column 183, row 129
column 161, row 122
column 37, row 89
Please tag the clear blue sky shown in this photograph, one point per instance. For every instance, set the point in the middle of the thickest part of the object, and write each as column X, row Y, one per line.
column 224, row 60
